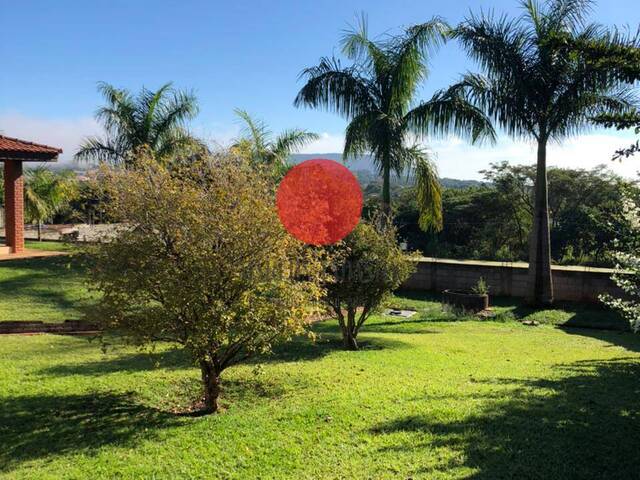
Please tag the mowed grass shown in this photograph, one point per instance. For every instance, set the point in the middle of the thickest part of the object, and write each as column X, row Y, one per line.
column 432, row 396
column 51, row 289
column 424, row 398
column 49, row 245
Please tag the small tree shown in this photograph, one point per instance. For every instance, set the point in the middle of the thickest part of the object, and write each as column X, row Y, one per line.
column 46, row 193
column 202, row 261
column 627, row 275
column 368, row 266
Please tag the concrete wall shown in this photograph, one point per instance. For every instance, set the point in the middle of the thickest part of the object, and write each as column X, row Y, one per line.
column 582, row 284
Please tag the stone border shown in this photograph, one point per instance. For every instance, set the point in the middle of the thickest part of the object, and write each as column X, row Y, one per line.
column 68, row 326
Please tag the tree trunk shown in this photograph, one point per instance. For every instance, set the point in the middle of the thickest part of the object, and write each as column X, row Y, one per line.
column 349, row 333
column 386, row 190
column 211, row 384
column 350, row 342
column 39, row 231
column 540, row 281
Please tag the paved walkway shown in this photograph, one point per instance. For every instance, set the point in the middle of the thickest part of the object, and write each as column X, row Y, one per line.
column 30, row 253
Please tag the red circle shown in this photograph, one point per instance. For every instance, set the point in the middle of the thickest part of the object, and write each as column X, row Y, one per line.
column 319, row 201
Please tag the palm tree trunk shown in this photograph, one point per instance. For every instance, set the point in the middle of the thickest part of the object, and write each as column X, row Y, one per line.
column 540, row 281
column 386, row 190
column 39, row 231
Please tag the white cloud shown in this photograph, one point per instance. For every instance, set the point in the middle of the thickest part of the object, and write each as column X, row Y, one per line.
column 455, row 158
column 327, row 143
column 63, row 133
column 458, row 159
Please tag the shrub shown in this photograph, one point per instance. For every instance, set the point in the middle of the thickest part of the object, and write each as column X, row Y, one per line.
column 481, row 287
column 627, row 275
column 367, row 266
column 201, row 260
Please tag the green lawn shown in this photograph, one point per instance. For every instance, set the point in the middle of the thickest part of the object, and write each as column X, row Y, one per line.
column 49, row 246
column 428, row 397
column 49, row 289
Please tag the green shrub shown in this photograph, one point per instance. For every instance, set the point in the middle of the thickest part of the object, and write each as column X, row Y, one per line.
column 366, row 267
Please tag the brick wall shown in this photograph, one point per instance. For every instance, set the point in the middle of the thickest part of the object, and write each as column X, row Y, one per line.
column 13, row 205
column 582, row 284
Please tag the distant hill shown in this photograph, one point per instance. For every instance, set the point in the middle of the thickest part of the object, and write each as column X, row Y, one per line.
column 363, row 168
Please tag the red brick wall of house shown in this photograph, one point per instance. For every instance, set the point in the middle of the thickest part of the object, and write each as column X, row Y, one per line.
column 14, row 205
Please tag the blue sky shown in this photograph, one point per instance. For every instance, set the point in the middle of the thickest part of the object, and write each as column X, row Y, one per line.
column 245, row 54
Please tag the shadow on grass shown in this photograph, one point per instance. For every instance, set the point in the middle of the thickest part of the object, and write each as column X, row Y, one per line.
column 131, row 362
column 44, row 280
column 627, row 340
column 583, row 426
column 328, row 341
column 569, row 314
column 41, row 426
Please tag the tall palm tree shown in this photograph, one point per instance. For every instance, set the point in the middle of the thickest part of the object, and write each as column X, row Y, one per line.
column 377, row 95
column 258, row 143
column 152, row 119
column 535, row 88
column 46, row 193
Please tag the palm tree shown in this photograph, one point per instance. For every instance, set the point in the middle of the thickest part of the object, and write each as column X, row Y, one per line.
column 46, row 193
column 536, row 88
column 377, row 95
column 153, row 120
column 260, row 147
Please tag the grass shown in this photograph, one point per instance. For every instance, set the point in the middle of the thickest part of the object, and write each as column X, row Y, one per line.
column 49, row 246
column 424, row 398
column 427, row 397
column 49, row 289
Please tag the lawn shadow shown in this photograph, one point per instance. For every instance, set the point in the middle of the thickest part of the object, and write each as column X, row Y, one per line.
column 42, row 426
column 37, row 275
column 583, row 426
column 328, row 340
column 581, row 315
column 173, row 359
column 627, row 340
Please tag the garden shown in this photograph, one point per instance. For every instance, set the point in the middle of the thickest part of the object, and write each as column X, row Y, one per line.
column 248, row 316
column 433, row 396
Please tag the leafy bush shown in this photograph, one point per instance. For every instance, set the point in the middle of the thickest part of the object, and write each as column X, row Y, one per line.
column 367, row 266
column 481, row 287
column 627, row 275
column 201, row 260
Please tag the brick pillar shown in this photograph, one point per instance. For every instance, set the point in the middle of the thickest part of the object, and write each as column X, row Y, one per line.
column 14, row 205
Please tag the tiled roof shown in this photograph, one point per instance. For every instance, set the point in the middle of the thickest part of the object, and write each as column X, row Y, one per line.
column 8, row 144
column 13, row 149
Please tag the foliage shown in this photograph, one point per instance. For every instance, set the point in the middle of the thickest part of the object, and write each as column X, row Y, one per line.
column 367, row 266
column 201, row 260
column 481, row 287
column 377, row 95
column 627, row 275
column 154, row 120
column 46, row 193
column 533, row 87
column 619, row 54
column 492, row 222
column 258, row 146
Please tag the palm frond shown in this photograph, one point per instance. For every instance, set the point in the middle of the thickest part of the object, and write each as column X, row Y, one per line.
column 255, row 130
column 411, row 54
column 290, row 141
column 96, row 149
column 450, row 112
column 428, row 188
column 358, row 136
column 357, row 46
column 337, row 89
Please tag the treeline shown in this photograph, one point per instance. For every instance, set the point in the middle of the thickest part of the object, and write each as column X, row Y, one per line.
column 492, row 221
